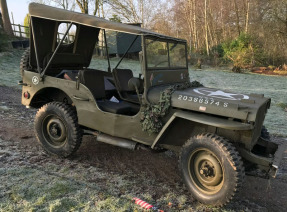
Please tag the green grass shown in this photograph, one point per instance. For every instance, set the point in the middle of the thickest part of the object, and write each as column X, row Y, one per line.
column 9, row 68
column 31, row 189
column 282, row 105
column 35, row 188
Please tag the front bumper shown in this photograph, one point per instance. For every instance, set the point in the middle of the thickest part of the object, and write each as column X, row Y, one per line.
column 271, row 163
column 277, row 159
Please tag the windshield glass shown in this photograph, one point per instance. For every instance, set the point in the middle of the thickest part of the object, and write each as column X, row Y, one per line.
column 162, row 54
column 157, row 54
column 177, row 55
column 117, row 44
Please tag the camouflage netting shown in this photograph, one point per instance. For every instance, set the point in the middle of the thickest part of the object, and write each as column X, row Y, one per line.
column 153, row 113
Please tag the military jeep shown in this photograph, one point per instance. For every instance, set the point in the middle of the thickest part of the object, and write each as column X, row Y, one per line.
column 160, row 109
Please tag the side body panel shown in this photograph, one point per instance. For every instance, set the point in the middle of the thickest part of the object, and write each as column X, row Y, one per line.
column 89, row 115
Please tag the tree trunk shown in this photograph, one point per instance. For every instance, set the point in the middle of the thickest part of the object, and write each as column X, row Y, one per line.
column 187, row 9
column 103, row 36
column 222, row 21
column 206, row 27
column 210, row 34
column 210, row 26
column 97, row 6
column 247, row 16
column 84, row 6
column 195, row 41
column 5, row 18
column 237, row 17
column 142, row 12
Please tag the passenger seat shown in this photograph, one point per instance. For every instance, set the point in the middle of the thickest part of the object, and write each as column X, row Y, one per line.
column 122, row 77
column 94, row 81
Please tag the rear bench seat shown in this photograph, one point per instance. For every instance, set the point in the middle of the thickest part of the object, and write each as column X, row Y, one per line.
column 95, row 81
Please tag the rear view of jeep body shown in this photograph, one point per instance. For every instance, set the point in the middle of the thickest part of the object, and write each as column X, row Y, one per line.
column 211, row 129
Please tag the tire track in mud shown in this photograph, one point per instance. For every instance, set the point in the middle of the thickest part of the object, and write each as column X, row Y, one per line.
column 140, row 162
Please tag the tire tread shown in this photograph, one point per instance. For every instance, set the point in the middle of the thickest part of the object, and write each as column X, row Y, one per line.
column 232, row 155
column 71, row 117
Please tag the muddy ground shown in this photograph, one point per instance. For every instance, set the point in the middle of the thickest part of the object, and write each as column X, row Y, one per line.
column 154, row 177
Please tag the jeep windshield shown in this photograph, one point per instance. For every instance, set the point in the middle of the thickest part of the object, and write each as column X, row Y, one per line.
column 165, row 54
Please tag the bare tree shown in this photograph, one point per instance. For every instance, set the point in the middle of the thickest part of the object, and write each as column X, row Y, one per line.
column 83, row 5
column 164, row 24
column 135, row 11
column 97, row 6
column 204, row 24
column 186, row 20
column 5, row 17
column 237, row 17
column 194, row 25
column 206, row 27
column 247, row 9
column 65, row 4
column 126, row 9
column 189, row 12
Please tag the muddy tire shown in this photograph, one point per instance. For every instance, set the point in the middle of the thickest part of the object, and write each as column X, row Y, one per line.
column 211, row 168
column 24, row 63
column 57, row 129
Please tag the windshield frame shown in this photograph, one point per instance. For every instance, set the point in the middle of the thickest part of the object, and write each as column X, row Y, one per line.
column 168, row 41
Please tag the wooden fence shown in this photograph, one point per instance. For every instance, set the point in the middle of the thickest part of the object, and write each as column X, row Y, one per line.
column 24, row 32
column 20, row 31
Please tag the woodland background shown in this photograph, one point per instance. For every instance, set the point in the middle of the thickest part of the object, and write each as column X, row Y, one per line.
column 235, row 33
column 245, row 33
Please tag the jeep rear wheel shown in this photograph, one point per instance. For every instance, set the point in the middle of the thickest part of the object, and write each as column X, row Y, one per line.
column 57, row 129
column 211, row 168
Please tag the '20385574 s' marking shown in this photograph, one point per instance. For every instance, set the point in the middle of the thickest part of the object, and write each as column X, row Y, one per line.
column 202, row 100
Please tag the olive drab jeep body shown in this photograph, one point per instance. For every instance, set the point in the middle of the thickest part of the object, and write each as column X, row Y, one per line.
column 211, row 129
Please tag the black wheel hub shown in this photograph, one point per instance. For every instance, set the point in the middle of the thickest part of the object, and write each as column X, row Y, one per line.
column 205, row 170
column 54, row 131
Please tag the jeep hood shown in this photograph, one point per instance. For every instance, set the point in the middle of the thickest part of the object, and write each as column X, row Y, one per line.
column 216, row 102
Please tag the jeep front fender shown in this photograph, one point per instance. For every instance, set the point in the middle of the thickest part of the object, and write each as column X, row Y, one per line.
column 203, row 119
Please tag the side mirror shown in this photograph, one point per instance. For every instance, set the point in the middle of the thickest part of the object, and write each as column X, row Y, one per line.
column 134, row 83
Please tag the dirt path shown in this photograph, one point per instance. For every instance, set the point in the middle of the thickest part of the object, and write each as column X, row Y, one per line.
column 151, row 176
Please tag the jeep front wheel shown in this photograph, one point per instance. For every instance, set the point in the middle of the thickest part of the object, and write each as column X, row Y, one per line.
column 211, row 168
column 57, row 129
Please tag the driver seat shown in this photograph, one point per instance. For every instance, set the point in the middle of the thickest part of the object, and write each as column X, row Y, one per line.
column 122, row 77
